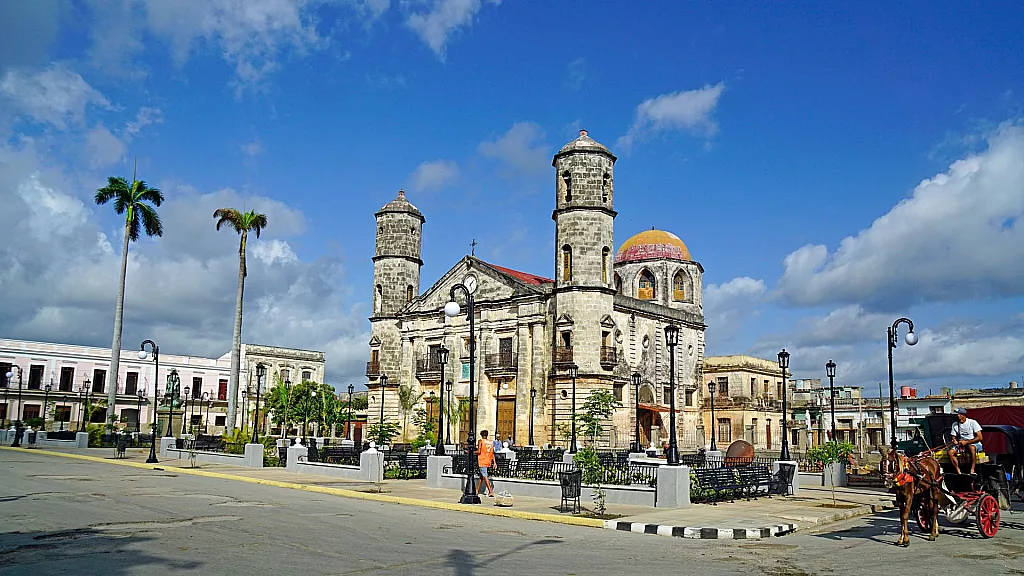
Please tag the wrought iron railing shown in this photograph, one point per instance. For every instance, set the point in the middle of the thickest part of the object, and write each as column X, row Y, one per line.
column 427, row 364
column 373, row 368
column 563, row 354
column 500, row 361
column 609, row 355
column 612, row 474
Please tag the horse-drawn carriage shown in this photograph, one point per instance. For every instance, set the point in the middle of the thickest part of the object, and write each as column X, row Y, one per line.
column 926, row 481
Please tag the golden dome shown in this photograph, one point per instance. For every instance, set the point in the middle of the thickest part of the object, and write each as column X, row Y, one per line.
column 651, row 244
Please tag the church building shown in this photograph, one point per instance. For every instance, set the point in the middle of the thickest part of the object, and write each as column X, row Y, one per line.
column 604, row 312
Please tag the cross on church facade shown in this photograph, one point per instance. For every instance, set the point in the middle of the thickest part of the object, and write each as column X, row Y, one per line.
column 472, row 247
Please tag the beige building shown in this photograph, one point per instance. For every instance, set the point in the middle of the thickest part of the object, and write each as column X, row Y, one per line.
column 748, row 403
column 605, row 314
column 1012, row 395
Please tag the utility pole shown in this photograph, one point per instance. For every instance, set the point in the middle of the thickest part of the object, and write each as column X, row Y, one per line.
column 860, row 425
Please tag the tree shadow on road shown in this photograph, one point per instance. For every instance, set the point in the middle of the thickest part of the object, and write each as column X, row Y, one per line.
column 464, row 563
column 82, row 550
column 884, row 528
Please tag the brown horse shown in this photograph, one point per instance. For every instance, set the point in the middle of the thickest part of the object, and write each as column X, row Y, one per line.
column 909, row 477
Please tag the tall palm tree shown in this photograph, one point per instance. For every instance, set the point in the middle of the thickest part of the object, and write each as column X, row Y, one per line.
column 133, row 200
column 242, row 223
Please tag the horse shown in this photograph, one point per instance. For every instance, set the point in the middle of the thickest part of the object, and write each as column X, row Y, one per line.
column 909, row 477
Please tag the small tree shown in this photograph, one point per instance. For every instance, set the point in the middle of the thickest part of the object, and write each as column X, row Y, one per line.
column 829, row 453
column 596, row 410
column 383, row 432
column 408, row 398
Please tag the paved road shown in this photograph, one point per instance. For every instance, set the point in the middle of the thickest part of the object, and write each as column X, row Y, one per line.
column 63, row 516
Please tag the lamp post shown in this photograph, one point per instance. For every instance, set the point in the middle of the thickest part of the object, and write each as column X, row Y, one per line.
column 442, row 359
column 383, row 384
column 830, row 371
column 712, row 388
column 533, row 396
column 171, row 392
column 451, row 310
column 261, row 371
column 140, row 394
column 7, row 403
column 287, row 390
column 784, row 365
column 204, row 400
column 184, row 411
column 206, row 423
column 17, row 433
column 910, row 339
column 46, row 400
column 81, row 404
column 431, row 398
column 637, row 379
column 156, row 373
column 448, row 425
column 671, row 340
column 574, row 371
column 348, row 420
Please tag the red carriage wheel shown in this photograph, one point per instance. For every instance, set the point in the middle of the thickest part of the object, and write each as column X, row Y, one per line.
column 988, row 516
column 924, row 519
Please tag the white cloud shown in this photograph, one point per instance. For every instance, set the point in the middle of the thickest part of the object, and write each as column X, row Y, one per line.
column 958, row 237
column 442, row 19
column 433, row 175
column 146, row 116
column 252, row 149
column 727, row 306
column 102, row 148
column 522, row 148
column 685, row 110
column 274, row 251
column 57, row 95
column 576, row 74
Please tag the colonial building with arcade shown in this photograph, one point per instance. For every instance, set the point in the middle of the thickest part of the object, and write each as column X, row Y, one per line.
column 604, row 312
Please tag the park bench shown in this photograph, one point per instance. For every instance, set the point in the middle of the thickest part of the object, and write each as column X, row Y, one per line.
column 532, row 469
column 411, row 464
column 339, row 455
column 722, row 481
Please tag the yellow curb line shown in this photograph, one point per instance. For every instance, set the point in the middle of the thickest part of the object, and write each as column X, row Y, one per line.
column 473, row 509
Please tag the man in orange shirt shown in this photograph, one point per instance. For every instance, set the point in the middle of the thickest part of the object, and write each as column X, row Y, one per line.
column 485, row 459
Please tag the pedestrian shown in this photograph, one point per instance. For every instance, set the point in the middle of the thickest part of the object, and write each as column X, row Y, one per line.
column 485, row 459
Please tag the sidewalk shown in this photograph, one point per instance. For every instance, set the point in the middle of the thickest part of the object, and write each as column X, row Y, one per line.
column 761, row 518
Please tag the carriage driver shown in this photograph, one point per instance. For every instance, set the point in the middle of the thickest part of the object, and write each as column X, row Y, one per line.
column 966, row 439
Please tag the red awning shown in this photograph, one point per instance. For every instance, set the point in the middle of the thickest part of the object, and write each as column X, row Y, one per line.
column 654, row 407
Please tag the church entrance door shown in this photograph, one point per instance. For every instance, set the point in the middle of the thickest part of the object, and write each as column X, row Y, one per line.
column 506, row 418
column 646, row 422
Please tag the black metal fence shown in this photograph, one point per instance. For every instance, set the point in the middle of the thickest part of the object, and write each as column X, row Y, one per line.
column 611, row 473
column 703, row 461
column 111, row 440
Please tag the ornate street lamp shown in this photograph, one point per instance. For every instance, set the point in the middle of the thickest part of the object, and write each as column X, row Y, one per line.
column 383, row 384
column 910, row 339
column 46, row 400
column 784, row 365
column 533, row 397
column 447, row 427
column 152, row 429
column 17, row 433
column 712, row 388
column 261, row 372
column 184, row 411
column 451, row 310
column 574, row 370
column 141, row 395
column 672, row 340
column 171, row 393
column 830, row 371
column 637, row 380
column 287, row 391
column 209, row 405
column 442, row 359
column 348, row 421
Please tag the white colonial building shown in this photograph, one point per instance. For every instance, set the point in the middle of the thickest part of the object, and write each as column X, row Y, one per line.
column 604, row 312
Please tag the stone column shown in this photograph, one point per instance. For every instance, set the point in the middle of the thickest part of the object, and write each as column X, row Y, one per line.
column 539, row 380
column 524, row 356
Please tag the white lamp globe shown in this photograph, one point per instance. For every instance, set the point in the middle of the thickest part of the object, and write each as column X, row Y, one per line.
column 910, row 339
column 142, row 354
column 452, row 309
column 10, row 375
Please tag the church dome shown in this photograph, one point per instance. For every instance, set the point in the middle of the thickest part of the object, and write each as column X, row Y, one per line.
column 400, row 204
column 584, row 143
column 652, row 244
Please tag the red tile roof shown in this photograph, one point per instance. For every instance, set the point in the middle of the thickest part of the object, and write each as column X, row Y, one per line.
column 523, row 276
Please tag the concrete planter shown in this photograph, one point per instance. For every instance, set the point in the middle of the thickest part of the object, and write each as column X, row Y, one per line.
column 834, row 475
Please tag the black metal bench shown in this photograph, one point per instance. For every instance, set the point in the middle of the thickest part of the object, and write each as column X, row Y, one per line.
column 532, row 469
column 412, row 464
column 340, row 455
column 723, row 481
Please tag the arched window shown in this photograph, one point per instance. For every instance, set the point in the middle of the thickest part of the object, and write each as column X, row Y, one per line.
column 618, row 284
column 679, row 287
column 567, row 182
column 605, row 256
column 606, row 188
column 379, row 299
column 646, row 286
column 408, row 293
column 566, row 263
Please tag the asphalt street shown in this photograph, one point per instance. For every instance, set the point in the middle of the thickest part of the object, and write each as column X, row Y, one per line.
column 64, row 516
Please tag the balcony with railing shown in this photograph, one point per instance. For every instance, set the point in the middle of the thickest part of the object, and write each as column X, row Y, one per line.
column 501, row 364
column 563, row 354
column 373, row 369
column 428, row 368
column 609, row 356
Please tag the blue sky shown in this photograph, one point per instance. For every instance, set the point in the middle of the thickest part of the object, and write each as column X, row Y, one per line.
column 832, row 167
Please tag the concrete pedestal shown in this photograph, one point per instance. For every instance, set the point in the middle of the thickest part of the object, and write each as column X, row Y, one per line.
column 254, row 455
column 294, row 454
column 794, row 486
column 371, row 464
column 435, row 468
column 567, row 457
column 81, row 439
column 834, row 475
column 165, row 443
column 673, row 487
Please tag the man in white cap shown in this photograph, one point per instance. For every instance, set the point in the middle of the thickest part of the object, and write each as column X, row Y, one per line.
column 966, row 440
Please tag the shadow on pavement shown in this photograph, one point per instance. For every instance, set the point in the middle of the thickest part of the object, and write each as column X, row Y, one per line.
column 80, row 551
column 465, row 564
column 885, row 528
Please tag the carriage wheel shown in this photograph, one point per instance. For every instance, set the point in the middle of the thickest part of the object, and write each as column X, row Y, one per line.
column 924, row 519
column 988, row 516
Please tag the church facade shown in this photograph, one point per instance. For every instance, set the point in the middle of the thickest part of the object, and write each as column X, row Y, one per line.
column 604, row 311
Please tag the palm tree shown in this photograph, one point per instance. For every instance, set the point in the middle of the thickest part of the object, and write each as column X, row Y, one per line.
column 133, row 200
column 242, row 222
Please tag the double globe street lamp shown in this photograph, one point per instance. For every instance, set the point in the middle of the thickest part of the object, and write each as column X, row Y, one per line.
column 672, row 340
column 451, row 310
column 156, row 373
column 892, row 338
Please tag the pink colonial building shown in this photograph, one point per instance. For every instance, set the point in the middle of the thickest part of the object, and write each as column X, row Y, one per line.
column 68, row 378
